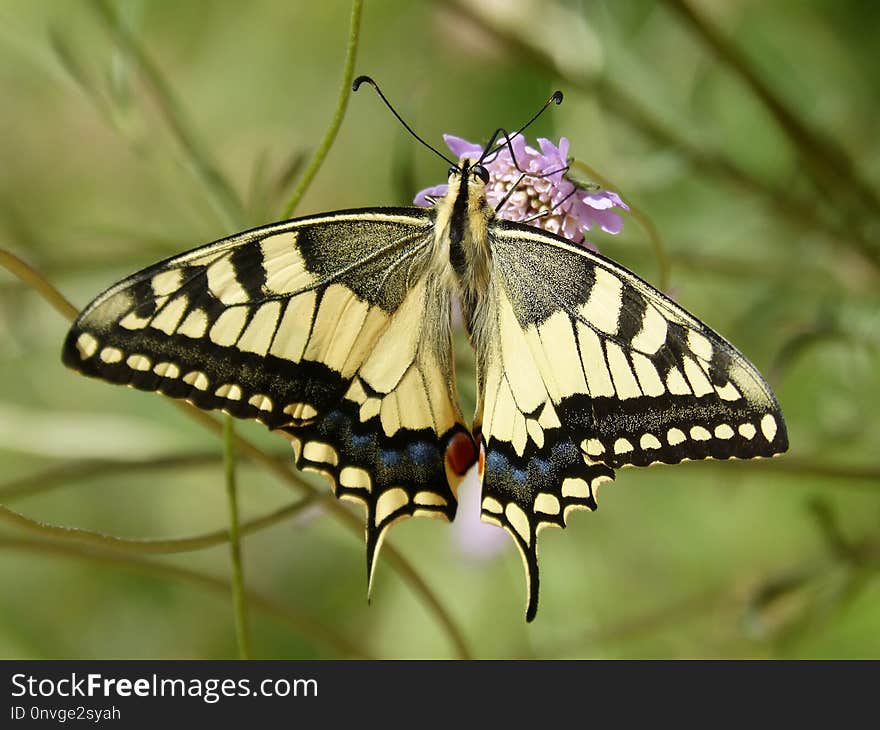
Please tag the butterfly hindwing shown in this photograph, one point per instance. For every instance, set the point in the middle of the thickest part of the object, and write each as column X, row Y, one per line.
column 587, row 368
column 330, row 329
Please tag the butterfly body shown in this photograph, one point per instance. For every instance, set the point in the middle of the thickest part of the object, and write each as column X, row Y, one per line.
column 336, row 331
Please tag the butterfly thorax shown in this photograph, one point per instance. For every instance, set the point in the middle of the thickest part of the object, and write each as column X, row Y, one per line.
column 461, row 237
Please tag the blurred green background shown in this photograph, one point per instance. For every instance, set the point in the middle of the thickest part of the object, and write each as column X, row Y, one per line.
column 745, row 130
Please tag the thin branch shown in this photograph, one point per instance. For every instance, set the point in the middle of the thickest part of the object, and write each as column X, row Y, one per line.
column 301, row 622
column 223, row 196
column 151, row 546
column 664, row 263
column 857, row 477
column 823, row 159
column 37, row 282
column 68, row 472
column 341, row 105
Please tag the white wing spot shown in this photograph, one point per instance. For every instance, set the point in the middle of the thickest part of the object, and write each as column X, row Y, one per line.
column 593, row 360
column 354, row 477
column 138, row 362
column 429, row 498
column 196, row 379
column 699, row 345
column 87, row 345
column 768, row 427
column 369, row 409
column 728, row 392
column 390, row 501
column 593, row 447
column 653, row 332
column 698, row 433
column 519, row 521
column 167, row 370
column 490, row 504
column 261, row 329
column 111, row 355
column 675, row 436
column 228, row 327
column 260, row 401
column 572, row 487
column 230, row 391
column 195, row 325
column 676, row 383
column 132, row 321
column 622, row 446
column 547, row 503
column 747, row 431
column 321, row 453
column 536, row 432
column 649, row 441
column 285, row 268
column 723, row 431
column 166, row 282
column 624, row 380
column 169, row 317
column 647, row 374
column 696, row 377
column 223, row 282
column 301, row 411
column 602, row 307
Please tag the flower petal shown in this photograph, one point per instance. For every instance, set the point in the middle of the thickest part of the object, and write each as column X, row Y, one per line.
column 437, row 191
column 461, row 147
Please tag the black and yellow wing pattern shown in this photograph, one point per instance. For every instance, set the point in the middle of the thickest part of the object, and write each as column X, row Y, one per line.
column 586, row 368
column 331, row 329
column 335, row 330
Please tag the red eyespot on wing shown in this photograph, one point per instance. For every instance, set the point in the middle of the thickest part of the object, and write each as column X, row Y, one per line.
column 461, row 453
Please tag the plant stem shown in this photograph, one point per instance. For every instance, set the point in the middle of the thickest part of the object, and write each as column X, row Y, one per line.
column 239, row 598
column 38, row 282
column 823, row 159
column 222, row 194
column 341, row 105
column 151, row 545
column 663, row 262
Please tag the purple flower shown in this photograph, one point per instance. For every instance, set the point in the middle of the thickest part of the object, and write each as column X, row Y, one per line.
column 471, row 536
column 572, row 210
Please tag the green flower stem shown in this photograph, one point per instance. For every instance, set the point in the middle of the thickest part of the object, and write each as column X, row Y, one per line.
column 150, row 545
column 663, row 262
column 38, row 283
column 287, row 614
column 222, row 194
column 239, row 600
column 341, row 105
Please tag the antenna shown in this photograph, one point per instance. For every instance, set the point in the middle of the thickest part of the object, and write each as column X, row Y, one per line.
column 367, row 80
column 556, row 98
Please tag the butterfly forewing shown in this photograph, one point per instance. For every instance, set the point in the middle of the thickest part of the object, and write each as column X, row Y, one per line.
column 331, row 329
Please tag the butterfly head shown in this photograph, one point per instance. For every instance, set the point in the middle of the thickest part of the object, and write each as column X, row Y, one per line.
column 470, row 170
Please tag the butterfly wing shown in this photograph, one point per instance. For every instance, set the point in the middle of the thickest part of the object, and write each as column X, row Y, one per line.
column 586, row 368
column 330, row 329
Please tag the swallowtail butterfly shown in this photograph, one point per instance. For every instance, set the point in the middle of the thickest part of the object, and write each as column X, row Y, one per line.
column 335, row 330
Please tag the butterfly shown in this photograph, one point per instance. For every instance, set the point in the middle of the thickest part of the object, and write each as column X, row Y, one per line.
column 335, row 330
